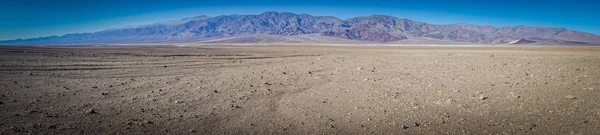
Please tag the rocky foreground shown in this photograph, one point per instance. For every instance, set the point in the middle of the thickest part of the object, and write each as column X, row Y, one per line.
column 299, row 90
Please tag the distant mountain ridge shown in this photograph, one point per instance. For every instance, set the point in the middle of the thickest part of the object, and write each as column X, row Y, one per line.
column 373, row 28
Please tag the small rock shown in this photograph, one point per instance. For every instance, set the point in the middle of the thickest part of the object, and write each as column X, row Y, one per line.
column 309, row 72
column 404, row 127
column 570, row 97
column 177, row 102
column 95, row 87
column 194, row 131
column 91, row 111
column 417, row 124
column 15, row 82
column 218, row 91
column 284, row 73
column 482, row 97
column 491, row 56
column 359, row 68
column 1, row 102
column 104, row 94
column 165, row 66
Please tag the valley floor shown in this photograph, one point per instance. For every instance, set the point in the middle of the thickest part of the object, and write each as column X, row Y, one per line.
column 299, row 90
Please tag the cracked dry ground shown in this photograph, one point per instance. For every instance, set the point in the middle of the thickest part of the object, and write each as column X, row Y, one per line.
column 299, row 90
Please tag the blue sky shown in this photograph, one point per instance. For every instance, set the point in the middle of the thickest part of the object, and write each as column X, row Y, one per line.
column 37, row 18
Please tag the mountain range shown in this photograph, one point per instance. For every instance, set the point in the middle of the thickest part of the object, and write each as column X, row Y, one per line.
column 274, row 27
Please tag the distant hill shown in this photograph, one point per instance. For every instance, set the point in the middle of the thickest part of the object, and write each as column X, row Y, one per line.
column 289, row 27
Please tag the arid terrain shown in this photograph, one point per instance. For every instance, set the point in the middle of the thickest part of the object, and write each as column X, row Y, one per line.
column 299, row 90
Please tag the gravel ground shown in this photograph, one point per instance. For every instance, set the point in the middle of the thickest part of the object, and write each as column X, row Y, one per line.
column 299, row 90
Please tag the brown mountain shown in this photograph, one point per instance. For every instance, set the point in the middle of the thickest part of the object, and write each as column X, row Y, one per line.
column 373, row 28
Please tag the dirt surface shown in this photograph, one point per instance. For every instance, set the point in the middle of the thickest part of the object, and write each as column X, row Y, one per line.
column 299, row 90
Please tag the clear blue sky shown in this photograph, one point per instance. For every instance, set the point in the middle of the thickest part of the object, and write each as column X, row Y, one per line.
column 36, row 18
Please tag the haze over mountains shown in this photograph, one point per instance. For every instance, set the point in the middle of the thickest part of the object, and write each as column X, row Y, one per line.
column 273, row 27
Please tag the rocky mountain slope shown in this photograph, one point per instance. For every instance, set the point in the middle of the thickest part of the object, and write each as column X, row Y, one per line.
column 373, row 28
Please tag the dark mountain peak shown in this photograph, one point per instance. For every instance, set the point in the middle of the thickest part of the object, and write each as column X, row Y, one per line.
column 381, row 16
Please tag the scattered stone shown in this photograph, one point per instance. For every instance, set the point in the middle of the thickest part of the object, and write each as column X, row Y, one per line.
column 104, row 93
column 91, row 111
column 417, row 124
column 15, row 82
column 95, row 87
column 284, row 73
column 570, row 97
column 218, row 91
column 309, row 72
column 482, row 97
column 267, row 83
column 404, row 127
column 177, row 102
column 165, row 66
column 359, row 68
column 194, row 131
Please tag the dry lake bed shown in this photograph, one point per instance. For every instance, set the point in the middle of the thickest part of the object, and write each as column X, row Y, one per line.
column 299, row 90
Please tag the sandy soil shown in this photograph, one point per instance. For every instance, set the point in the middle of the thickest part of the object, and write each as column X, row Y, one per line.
column 299, row 90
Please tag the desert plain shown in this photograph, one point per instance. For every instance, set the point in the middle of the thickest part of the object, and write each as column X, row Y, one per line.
column 299, row 89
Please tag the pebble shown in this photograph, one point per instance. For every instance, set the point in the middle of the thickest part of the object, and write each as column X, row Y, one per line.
column 94, row 87
column 193, row 131
column 104, row 93
column 404, row 127
column 359, row 68
column 570, row 97
column 482, row 97
column 91, row 111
